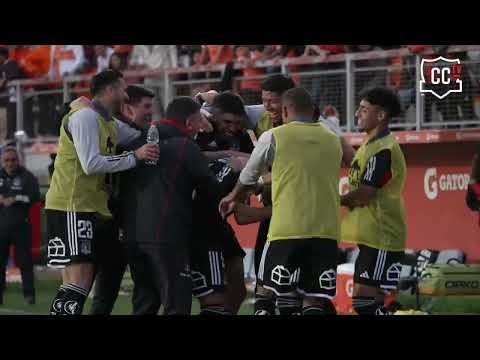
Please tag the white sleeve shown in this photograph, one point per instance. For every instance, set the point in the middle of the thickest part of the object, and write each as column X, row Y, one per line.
column 262, row 157
column 83, row 127
column 331, row 123
column 126, row 133
column 253, row 114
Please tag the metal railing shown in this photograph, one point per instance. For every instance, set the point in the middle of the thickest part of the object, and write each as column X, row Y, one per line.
column 335, row 79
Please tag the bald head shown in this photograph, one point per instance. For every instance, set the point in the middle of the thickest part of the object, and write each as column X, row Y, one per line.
column 297, row 103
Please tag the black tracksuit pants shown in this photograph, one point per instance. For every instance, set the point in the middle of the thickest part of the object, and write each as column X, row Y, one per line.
column 21, row 238
column 161, row 276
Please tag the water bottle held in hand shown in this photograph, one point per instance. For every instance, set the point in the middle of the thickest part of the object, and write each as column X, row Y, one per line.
column 152, row 138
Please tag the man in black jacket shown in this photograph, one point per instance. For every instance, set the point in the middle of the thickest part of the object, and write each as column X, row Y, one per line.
column 136, row 113
column 157, row 209
column 18, row 191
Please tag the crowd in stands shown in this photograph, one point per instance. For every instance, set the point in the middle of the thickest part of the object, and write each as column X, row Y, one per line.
column 54, row 62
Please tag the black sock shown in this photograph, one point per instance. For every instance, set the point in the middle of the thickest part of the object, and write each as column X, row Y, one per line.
column 326, row 308
column 264, row 305
column 73, row 299
column 212, row 310
column 289, row 305
column 57, row 303
column 367, row 305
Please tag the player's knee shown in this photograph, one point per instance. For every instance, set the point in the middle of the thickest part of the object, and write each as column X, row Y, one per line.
column 81, row 274
column 69, row 300
column 213, row 298
column 318, row 306
column 260, row 290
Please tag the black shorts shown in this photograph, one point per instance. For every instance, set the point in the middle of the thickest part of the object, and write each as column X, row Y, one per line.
column 73, row 236
column 378, row 268
column 308, row 266
column 207, row 259
column 231, row 248
column 208, row 272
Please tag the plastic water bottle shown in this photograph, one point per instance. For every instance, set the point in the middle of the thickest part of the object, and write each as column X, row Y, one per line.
column 152, row 138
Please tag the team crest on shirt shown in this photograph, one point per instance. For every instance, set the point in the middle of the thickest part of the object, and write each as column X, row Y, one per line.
column 393, row 272
column 17, row 182
column 1, row 182
column 281, row 275
column 328, row 279
column 56, row 247
column 199, row 281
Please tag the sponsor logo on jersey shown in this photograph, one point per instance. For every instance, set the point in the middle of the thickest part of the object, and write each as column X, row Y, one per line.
column 365, row 275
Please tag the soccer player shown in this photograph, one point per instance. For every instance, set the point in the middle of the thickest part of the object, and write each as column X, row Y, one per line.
column 301, row 250
column 78, row 218
column 136, row 113
column 375, row 216
column 217, row 258
column 261, row 118
column 158, row 213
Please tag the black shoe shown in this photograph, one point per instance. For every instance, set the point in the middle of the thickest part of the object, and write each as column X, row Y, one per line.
column 30, row 300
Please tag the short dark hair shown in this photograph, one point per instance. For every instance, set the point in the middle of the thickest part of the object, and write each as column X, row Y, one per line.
column 104, row 79
column 299, row 100
column 10, row 148
column 278, row 84
column 181, row 108
column 229, row 102
column 384, row 97
column 4, row 51
column 137, row 93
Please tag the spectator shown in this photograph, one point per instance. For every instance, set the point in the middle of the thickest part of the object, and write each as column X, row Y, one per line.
column 117, row 63
column 292, row 51
column 36, row 63
column 197, row 62
column 9, row 70
column 154, row 56
column 273, row 53
column 327, row 88
column 103, row 54
column 185, row 54
column 66, row 60
column 250, row 90
column 216, row 54
column 123, row 49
